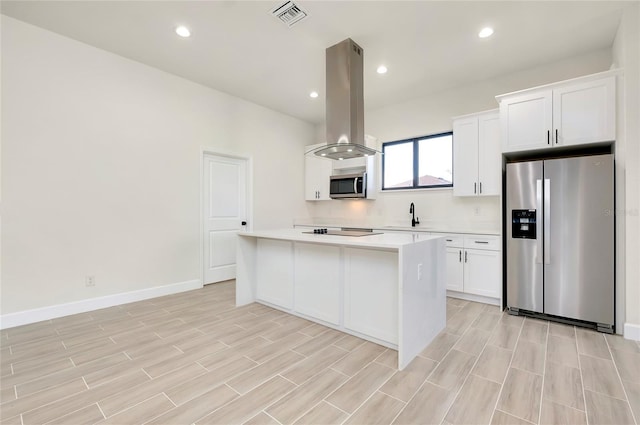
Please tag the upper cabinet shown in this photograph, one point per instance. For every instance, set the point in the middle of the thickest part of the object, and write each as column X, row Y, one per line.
column 576, row 112
column 477, row 161
column 316, row 176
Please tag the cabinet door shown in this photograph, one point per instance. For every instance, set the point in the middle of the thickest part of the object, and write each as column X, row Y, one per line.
column 526, row 121
column 316, row 178
column 455, row 274
column 584, row 113
column 371, row 293
column 274, row 283
column 482, row 272
column 317, row 281
column 465, row 157
column 489, row 156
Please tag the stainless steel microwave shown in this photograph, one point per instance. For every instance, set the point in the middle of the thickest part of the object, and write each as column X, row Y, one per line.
column 348, row 186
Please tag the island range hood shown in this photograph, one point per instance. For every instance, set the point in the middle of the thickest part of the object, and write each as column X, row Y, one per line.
column 344, row 103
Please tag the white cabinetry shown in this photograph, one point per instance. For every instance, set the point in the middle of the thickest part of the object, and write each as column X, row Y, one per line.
column 477, row 162
column 317, row 281
column 482, row 272
column 316, row 176
column 275, row 281
column 576, row 112
column 371, row 293
column 585, row 113
column 455, row 272
column 474, row 266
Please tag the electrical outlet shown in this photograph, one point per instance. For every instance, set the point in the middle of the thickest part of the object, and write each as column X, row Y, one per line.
column 477, row 211
column 90, row 281
column 420, row 271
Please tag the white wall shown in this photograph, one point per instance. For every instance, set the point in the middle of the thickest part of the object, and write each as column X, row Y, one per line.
column 101, row 174
column 626, row 54
column 431, row 115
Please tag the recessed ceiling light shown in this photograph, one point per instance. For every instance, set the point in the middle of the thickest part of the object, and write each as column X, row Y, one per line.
column 485, row 32
column 313, row 94
column 183, row 31
column 340, row 159
column 382, row 69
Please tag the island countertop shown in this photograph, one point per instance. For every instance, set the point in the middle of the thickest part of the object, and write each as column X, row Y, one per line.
column 383, row 240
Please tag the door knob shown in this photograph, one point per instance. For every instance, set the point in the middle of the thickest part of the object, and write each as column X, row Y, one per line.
column 244, row 223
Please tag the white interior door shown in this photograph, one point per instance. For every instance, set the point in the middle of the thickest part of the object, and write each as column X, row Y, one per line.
column 225, row 211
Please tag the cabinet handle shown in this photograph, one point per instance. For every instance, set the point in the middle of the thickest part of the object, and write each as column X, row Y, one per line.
column 465, row 256
column 480, row 187
column 449, row 240
column 556, row 136
column 548, row 137
column 481, row 241
column 474, row 187
column 460, row 256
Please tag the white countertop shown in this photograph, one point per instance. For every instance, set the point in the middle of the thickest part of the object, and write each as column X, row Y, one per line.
column 439, row 228
column 384, row 240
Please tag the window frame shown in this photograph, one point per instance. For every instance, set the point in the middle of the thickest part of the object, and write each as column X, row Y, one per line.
column 416, row 162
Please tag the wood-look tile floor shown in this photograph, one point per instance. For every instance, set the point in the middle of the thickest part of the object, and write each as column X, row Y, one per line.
column 195, row 358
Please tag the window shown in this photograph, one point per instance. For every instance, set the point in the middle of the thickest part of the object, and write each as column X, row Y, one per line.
column 418, row 163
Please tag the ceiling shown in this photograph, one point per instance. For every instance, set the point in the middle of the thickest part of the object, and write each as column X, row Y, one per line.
column 239, row 48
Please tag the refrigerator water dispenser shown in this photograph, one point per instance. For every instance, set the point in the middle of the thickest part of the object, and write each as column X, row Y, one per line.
column 523, row 224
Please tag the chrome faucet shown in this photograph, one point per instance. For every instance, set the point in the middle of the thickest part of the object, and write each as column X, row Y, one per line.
column 414, row 220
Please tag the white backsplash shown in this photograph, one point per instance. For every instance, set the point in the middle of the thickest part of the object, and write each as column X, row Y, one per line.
column 436, row 209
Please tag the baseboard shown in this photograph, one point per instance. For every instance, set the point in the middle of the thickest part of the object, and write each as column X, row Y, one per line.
column 473, row 297
column 632, row 331
column 26, row 317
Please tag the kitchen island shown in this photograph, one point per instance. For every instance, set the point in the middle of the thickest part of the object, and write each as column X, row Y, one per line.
column 386, row 288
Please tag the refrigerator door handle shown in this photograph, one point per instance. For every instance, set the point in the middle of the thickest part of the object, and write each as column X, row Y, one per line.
column 547, row 221
column 539, row 228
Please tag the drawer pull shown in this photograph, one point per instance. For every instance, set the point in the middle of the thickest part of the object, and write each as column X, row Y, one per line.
column 449, row 240
column 481, row 241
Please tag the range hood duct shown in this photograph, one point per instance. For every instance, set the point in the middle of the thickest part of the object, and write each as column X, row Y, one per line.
column 344, row 103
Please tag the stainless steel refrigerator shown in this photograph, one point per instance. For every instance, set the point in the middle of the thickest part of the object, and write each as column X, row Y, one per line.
column 560, row 238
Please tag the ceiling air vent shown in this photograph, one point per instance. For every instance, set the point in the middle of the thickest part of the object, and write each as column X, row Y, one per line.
column 289, row 13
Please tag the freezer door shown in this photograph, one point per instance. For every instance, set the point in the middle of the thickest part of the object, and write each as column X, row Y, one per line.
column 579, row 230
column 524, row 254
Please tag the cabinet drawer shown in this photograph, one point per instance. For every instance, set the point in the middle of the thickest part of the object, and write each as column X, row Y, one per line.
column 451, row 239
column 488, row 242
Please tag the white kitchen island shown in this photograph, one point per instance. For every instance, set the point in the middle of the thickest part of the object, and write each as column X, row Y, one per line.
column 387, row 288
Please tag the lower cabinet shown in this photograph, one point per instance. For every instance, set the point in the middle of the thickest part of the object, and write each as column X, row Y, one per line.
column 275, row 280
column 455, row 271
column 347, row 287
column 482, row 272
column 317, row 281
column 371, row 293
column 474, row 265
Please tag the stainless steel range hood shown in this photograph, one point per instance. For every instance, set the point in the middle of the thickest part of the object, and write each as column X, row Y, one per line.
column 344, row 103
